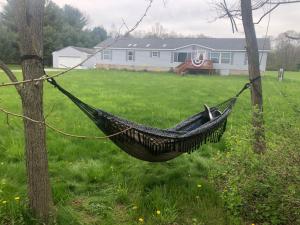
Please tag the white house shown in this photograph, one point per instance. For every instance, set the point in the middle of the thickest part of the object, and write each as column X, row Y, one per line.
column 227, row 54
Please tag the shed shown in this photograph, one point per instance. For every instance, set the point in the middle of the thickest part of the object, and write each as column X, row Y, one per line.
column 71, row 56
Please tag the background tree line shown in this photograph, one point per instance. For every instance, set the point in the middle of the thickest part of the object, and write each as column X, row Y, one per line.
column 62, row 27
column 285, row 52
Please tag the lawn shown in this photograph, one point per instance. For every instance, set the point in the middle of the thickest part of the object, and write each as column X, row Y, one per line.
column 95, row 183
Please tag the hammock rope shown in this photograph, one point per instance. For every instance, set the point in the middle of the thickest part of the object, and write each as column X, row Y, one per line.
column 154, row 144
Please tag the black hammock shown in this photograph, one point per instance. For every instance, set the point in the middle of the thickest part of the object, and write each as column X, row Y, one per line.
column 158, row 145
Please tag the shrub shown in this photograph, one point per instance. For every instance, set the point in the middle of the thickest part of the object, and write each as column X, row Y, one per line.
column 263, row 189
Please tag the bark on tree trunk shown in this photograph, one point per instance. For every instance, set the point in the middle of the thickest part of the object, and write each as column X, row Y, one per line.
column 29, row 18
column 259, row 145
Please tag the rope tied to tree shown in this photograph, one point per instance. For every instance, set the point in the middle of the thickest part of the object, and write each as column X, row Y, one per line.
column 30, row 57
column 247, row 86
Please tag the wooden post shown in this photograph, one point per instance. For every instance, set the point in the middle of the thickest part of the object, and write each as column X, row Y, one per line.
column 259, row 145
column 29, row 19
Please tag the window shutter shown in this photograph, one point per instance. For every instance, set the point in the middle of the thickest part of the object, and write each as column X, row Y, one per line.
column 175, row 57
column 232, row 58
column 101, row 55
column 172, row 57
column 246, row 59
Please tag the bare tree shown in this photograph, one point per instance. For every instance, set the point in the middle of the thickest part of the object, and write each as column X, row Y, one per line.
column 243, row 10
column 254, row 75
column 29, row 20
column 158, row 30
column 286, row 52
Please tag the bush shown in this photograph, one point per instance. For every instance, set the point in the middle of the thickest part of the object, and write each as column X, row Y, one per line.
column 263, row 189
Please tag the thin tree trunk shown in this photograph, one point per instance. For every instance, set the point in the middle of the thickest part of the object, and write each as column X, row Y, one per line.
column 29, row 18
column 259, row 145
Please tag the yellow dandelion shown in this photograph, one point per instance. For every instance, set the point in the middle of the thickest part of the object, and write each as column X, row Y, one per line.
column 134, row 207
column 17, row 198
column 252, row 224
column 141, row 220
column 158, row 212
column 4, row 202
column 199, row 185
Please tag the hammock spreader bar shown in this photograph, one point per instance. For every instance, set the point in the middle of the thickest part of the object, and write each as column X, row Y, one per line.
column 157, row 145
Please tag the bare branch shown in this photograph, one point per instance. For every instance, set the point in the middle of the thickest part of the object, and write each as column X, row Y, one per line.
column 233, row 23
column 8, row 113
column 266, row 13
column 291, row 37
column 10, row 75
column 235, row 12
column 118, row 37
column 125, row 24
column 281, row 2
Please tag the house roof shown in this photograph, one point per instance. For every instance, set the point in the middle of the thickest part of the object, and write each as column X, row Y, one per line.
column 86, row 50
column 176, row 43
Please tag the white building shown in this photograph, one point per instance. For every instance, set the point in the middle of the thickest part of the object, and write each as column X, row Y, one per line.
column 227, row 54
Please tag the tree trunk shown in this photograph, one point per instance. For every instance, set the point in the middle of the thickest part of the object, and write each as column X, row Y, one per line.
column 29, row 19
column 259, row 145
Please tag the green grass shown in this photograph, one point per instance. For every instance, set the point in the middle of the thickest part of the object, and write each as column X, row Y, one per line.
column 94, row 182
column 14, row 67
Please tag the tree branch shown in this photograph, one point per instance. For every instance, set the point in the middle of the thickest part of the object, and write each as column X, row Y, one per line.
column 292, row 37
column 266, row 13
column 10, row 75
column 235, row 12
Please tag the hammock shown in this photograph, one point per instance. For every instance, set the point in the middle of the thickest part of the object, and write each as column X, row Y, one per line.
column 158, row 145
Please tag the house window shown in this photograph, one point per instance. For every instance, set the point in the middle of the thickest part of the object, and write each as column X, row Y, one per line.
column 130, row 55
column 225, row 57
column 155, row 54
column 215, row 57
column 182, row 56
column 107, row 55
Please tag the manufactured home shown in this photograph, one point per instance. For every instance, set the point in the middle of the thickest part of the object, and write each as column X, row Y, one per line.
column 228, row 55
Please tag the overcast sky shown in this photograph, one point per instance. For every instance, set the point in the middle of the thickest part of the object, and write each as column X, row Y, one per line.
column 182, row 16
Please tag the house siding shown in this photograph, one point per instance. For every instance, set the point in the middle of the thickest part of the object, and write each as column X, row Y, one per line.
column 143, row 59
column 165, row 61
column 67, row 52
